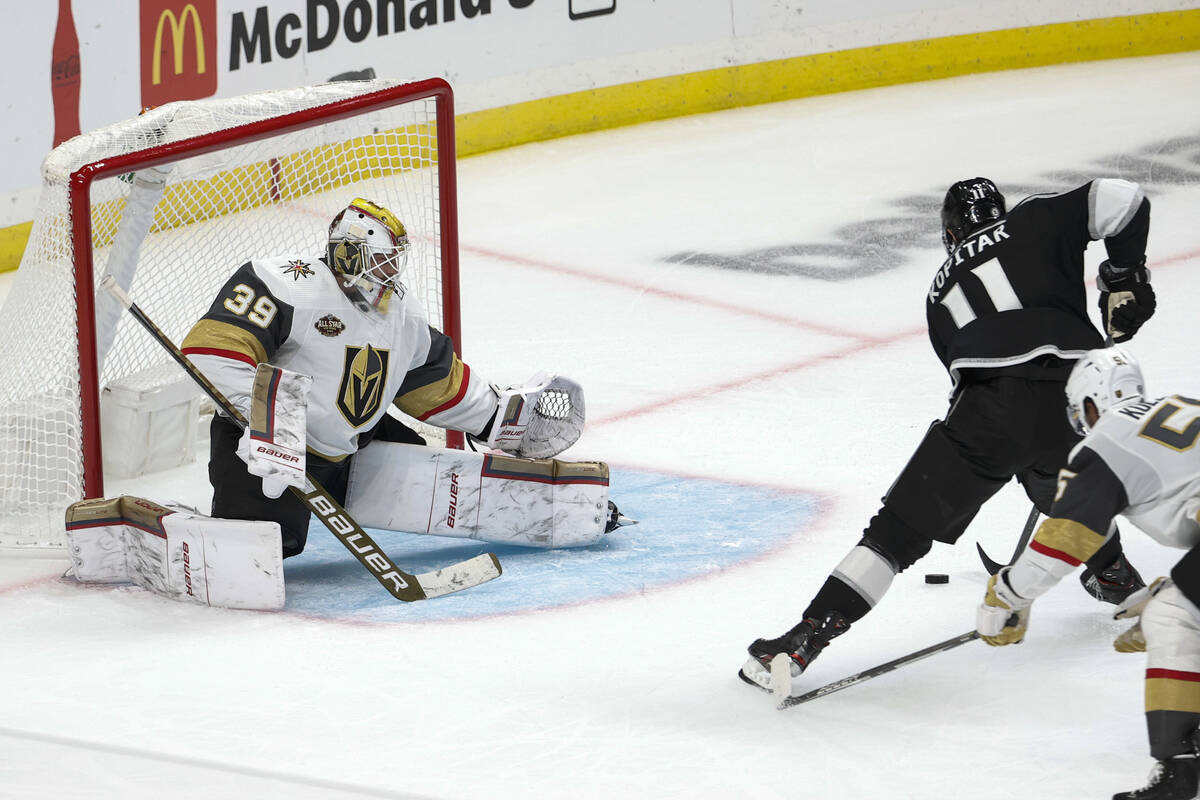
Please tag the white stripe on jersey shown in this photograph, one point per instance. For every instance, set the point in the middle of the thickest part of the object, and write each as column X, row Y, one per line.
column 1111, row 205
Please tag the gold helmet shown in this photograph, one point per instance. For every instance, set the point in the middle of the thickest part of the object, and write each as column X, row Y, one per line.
column 368, row 245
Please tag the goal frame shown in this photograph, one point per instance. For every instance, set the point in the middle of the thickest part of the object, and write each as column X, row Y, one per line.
column 79, row 190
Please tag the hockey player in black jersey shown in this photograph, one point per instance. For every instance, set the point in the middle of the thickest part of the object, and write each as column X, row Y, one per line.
column 1007, row 316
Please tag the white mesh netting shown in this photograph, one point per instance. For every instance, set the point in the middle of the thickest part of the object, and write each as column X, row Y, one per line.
column 275, row 195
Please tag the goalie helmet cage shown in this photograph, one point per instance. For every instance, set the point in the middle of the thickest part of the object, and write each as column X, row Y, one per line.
column 170, row 203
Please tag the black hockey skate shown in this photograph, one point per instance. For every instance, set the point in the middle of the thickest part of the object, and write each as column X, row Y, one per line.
column 799, row 646
column 1171, row 779
column 616, row 519
column 1114, row 583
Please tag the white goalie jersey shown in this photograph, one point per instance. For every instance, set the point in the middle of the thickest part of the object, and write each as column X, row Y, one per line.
column 292, row 313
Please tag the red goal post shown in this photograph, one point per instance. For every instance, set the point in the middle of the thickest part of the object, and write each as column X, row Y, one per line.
column 170, row 203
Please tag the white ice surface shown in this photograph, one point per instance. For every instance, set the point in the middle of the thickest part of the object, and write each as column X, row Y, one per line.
column 770, row 380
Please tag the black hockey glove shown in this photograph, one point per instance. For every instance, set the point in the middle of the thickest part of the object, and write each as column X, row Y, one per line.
column 1126, row 299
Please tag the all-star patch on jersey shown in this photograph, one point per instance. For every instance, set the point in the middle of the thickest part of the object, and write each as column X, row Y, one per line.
column 329, row 325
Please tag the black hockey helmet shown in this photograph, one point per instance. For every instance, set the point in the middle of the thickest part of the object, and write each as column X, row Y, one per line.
column 969, row 205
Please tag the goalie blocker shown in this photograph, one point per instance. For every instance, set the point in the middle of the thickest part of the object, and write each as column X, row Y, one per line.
column 531, row 502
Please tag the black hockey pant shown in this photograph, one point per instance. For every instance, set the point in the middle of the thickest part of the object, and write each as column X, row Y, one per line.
column 996, row 429
column 238, row 495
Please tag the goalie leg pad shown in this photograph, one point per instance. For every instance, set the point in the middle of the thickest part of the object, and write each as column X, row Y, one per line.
column 183, row 556
column 529, row 502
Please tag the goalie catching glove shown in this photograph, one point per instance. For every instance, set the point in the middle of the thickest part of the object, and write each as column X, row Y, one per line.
column 1126, row 299
column 538, row 420
column 1003, row 616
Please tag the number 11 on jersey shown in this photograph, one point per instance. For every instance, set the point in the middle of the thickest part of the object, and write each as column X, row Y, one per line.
column 996, row 286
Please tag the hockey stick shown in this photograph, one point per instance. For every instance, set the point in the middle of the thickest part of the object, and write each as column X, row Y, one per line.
column 991, row 566
column 875, row 672
column 402, row 585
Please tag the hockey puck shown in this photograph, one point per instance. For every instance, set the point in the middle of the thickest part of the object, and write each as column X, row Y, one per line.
column 937, row 577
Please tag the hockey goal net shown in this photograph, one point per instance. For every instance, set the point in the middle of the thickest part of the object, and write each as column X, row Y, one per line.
column 171, row 203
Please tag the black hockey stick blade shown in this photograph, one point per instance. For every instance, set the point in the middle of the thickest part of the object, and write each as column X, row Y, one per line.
column 993, row 567
column 401, row 585
column 875, row 672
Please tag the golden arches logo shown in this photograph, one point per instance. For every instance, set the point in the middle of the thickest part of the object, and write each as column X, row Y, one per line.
column 178, row 32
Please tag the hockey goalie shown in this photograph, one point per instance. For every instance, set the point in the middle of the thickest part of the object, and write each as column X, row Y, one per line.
column 312, row 352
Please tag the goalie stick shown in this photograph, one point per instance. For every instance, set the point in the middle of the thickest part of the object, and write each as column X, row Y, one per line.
column 401, row 585
column 875, row 672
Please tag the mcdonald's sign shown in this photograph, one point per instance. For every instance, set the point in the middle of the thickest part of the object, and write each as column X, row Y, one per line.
column 178, row 50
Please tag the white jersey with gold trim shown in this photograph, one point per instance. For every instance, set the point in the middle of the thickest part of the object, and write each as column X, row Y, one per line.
column 1150, row 448
column 293, row 313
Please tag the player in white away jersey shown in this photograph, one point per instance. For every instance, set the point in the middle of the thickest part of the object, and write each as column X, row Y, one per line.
column 345, row 320
column 1139, row 459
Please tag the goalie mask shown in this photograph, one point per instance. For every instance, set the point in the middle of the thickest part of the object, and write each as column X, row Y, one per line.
column 1109, row 378
column 969, row 205
column 368, row 248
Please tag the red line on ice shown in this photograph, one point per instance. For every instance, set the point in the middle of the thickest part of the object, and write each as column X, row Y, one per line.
column 669, row 294
column 859, row 344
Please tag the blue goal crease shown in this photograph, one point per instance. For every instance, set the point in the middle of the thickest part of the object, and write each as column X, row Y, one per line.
column 688, row 527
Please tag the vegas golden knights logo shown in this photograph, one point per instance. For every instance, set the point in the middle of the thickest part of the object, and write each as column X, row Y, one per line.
column 360, row 395
column 347, row 258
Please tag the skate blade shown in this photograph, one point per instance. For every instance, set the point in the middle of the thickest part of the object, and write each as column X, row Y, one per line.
column 753, row 673
column 781, row 675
